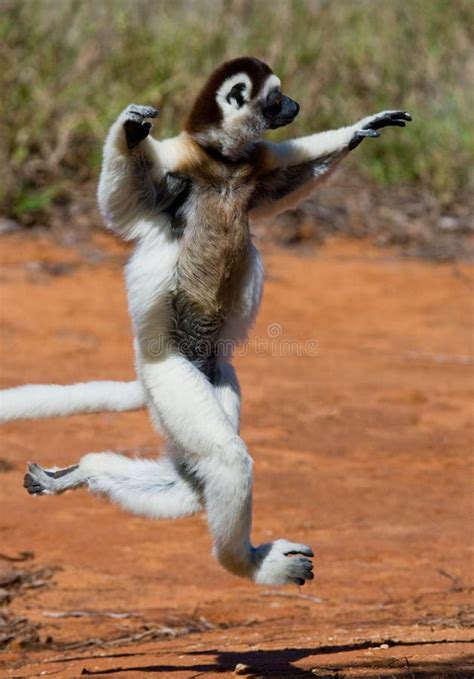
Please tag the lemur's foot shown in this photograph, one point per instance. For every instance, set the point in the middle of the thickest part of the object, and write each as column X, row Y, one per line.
column 39, row 481
column 135, row 124
column 370, row 125
column 282, row 563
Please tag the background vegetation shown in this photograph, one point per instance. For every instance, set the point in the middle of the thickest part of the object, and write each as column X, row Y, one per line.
column 68, row 67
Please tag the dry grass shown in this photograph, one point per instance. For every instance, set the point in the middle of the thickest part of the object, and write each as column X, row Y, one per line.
column 69, row 66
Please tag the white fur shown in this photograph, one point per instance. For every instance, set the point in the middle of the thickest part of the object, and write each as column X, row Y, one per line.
column 314, row 146
column 270, row 84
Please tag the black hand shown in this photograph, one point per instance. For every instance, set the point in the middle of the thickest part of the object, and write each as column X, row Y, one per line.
column 135, row 132
column 390, row 118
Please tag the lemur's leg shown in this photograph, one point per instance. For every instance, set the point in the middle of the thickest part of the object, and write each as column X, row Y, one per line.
column 154, row 488
column 133, row 186
column 211, row 451
column 227, row 391
column 208, row 461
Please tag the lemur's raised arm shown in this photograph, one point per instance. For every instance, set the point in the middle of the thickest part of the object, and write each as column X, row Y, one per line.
column 194, row 285
column 135, row 186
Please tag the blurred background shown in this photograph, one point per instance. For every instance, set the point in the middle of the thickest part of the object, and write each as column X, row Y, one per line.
column 69, row 67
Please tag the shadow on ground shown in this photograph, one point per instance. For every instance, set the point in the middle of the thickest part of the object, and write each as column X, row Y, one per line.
column 279, row 663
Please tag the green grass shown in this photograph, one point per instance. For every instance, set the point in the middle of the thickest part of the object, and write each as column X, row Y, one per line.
column 68, row 67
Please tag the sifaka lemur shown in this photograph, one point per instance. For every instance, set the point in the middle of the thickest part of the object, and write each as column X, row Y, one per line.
column 194, row 286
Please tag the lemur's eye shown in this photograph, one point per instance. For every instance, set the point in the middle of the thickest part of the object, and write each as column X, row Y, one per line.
column 236, row 95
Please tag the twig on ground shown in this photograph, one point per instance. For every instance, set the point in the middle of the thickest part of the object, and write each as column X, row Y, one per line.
column 21, row 556
column 457, row 584
column 89, row 614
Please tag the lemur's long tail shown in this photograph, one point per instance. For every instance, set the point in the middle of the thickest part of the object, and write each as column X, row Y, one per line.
column 52, row 400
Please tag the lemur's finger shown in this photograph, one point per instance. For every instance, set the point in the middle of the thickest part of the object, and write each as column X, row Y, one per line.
column 135, row 131
column 152, row 112
column 132, row 117
column 389, row 118
column 32, row 485
column 390, row 122
column 300, row 549
column 368, row 132
column 394, row 114
column 302, row 561
column 361, row 134
column 143, row 111
column 401, row 114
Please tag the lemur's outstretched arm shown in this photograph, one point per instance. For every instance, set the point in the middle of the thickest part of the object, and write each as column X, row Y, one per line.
column 323, row 144
column 298, row 164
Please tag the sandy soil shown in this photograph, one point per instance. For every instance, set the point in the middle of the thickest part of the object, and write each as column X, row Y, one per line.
column 362, row 450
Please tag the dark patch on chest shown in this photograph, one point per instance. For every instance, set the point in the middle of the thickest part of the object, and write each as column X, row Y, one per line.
column 195, row 334
column 175, row 210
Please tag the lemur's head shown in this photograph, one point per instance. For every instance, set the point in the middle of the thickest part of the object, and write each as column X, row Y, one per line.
column 240, row 101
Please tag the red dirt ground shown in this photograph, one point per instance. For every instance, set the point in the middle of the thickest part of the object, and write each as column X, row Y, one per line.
column 363, row 451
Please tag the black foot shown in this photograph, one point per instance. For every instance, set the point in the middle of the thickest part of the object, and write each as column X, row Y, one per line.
column 32, row 484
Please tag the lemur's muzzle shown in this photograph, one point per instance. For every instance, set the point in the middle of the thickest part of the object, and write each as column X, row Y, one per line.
column 289, row 111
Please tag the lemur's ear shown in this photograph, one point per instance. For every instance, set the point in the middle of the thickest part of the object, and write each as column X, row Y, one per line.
column 235, row 96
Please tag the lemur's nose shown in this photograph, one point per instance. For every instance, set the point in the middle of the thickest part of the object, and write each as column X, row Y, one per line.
column 294, row 107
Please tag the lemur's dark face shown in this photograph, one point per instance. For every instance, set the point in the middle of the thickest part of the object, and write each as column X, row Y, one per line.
column 278, row 109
